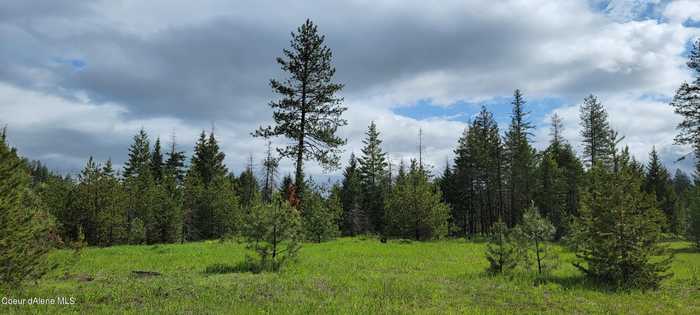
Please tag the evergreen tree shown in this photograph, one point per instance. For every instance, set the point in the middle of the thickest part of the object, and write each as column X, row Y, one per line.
column 139, row 156
column 354, row 218
column 320, row 220
column 112, row 217
column 287, row 187
column 520, row 159
column 618, row 231
column 270, row 165
column 658, row 183
column 248, row 188
column 157, row 164
column 686, row 103
column 100, row 201
column 501, row 251
column 551, row 194
column 414, row 208
column 273, row 232
column 559, row 175
column 480, row 174
column 462, row 198
column 90, row 201
column 535, row 231
column 693, row 231
column 556, row 132
column 59, row 195
column 309, row 112
column 373, row 175
column 210, row 201
column 208, row 161
column 175, row 164
column 595, row 132
column 143, row 196
column 24, row 227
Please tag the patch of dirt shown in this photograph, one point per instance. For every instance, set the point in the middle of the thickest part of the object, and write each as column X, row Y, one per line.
column 144, row 274
column 80, row 277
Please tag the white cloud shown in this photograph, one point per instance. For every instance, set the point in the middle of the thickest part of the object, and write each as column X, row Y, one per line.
column 178, row 66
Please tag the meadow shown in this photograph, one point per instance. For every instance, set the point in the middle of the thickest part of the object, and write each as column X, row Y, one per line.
column 348, row 275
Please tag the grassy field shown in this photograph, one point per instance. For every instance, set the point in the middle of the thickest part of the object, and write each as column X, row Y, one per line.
column 343, row 276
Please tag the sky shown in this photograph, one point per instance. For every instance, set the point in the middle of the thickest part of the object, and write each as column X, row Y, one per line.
column 80, row 78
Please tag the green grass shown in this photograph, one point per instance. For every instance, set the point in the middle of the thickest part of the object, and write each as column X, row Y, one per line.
column 343, row 276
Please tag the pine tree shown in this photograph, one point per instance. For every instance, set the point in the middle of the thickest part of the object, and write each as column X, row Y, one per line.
column 693, row 231
column 658, row 183
column 210, row 200
column 207, row 160
column 373, row 175
column 559, row 176
column 536, row 231
column 520, row 159
column 595, row 132
column 462, row 200
column 157, row 163
column 24, row 227
column 90, row 201
column 551, row 193
column 501, row 251
column 175, row 164
column 112, row 217
column 270, row 165
column 319, row 221
column 59, row 195
column 686, row 103
column 286, row 187
column 485, row 152
column 141, row 191
column 273, row 232
column 139, row 156
column 248, row 188
column 354, row 218
column 556, row 132
column 309, row 112
column 618, row 232
column 414, row 208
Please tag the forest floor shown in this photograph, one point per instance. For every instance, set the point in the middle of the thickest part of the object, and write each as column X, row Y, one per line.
column 348, row 275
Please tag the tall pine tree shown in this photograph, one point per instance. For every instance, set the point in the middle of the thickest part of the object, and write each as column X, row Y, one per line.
column 595, row 132
column 373, row 174
column 686, row 103
column 520, row 159
column 308, row 112
column 354, row 218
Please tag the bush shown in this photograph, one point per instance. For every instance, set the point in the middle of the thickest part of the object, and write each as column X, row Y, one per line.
column 272, row 231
